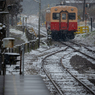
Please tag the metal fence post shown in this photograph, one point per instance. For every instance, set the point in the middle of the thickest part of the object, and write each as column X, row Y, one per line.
column 22, row 59
column 20, row 62
column 91, row 24
column 23, row 25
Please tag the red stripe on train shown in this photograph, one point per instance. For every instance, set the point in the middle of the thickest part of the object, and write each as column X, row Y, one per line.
column 71, row 26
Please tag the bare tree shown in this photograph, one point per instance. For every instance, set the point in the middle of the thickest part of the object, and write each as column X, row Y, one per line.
column 14, row 7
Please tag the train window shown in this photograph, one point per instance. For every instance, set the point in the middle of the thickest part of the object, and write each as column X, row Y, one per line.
column 72, row 16
column 63, row 16
column 56, row 16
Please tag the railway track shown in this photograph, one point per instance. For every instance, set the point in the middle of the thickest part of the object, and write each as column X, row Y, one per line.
column 65, row 83
column 78, row 49
column 58, row 75
column 82, row 79
column 82, row 45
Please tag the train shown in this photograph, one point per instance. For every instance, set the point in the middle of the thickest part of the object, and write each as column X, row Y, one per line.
column 61, row 22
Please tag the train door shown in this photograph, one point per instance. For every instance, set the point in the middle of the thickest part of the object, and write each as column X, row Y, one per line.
column 63, row 21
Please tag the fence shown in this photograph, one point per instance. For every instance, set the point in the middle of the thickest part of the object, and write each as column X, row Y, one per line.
column 82, row 29
column 31, row 45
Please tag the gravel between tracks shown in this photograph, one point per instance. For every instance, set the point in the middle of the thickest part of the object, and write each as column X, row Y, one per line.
column 81, row 64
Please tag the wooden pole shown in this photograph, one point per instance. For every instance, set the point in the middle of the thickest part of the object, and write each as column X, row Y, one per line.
column 84, row 10
column 39, row 23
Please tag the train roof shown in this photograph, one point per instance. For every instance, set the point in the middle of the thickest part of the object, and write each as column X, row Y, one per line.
column 64, row 6
column 48, row 10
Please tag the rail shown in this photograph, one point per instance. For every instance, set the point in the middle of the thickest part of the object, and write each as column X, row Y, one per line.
column 78, row 51
column 55, row 85
column 77, row 78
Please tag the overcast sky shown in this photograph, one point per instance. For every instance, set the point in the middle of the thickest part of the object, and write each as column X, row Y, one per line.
column 31, row 7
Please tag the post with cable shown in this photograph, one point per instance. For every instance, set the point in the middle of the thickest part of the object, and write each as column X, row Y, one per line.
column 39, row 21
column 84, row 10
column 22, row 59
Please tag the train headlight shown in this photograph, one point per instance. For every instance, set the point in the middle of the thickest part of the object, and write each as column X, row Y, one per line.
column 72, row 9
column 56, row 9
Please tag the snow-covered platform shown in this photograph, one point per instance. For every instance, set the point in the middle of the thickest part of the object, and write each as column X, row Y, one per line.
column 23, row 85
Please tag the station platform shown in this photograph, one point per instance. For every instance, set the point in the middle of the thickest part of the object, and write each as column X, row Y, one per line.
column 22, row 85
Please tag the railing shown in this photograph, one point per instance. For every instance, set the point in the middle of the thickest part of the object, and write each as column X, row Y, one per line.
column 28, row 46
column 30, row 33
column 82, row 29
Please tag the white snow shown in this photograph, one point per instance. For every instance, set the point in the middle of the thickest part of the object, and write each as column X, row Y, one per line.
column 16, row 31
column 23, row 37
column 33, row 19
column 8, row 39
column 0, row 28
column 86, row 38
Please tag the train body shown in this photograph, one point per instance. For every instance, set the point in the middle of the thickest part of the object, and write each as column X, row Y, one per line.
column 61, row 22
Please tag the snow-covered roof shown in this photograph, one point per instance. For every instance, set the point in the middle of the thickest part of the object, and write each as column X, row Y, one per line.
column 17, row 54
column 9, row 39
column 3, row 12
column 0, row 28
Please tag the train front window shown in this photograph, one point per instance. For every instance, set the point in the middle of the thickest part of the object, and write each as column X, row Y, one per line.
column 72, row 16
column 63, row 16
column 56, row 16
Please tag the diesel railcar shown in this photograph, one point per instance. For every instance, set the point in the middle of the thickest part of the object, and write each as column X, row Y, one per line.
column 61, row 22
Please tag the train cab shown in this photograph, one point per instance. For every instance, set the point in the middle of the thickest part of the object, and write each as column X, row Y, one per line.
column 62, row 21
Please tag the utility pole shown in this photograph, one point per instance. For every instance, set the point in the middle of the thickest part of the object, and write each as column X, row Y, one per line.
column 39, row 21
column 84, row 10
column 7, row 25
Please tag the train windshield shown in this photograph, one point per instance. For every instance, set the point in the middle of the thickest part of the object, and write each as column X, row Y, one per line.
column 72, row 16
column 56, row 16
column 63, row 16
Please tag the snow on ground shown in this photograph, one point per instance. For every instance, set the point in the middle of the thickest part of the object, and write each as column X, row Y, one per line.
column 16, row 31
column 23, row 37
column 86, row 38
column 33, row 19
column 33, row 22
